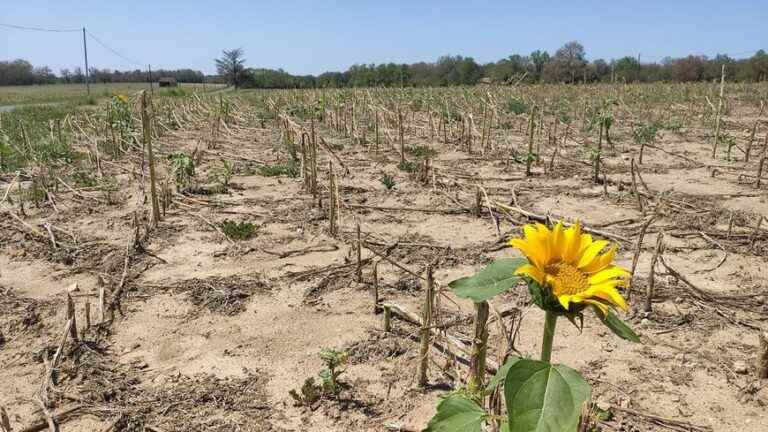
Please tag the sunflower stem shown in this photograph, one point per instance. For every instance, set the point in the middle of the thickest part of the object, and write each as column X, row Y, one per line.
column 550, row 320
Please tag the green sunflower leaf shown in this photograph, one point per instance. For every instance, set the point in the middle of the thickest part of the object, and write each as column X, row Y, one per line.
column 619, row 327
column 457, row 414
column 496, row 278
column 500, row 375
column 543, row 397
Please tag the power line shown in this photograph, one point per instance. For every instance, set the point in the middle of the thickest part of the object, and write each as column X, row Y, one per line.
column 18, row 27
column 113, row 51
column 67, row 30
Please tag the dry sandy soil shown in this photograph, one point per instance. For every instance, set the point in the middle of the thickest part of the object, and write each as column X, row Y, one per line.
column 212, row 335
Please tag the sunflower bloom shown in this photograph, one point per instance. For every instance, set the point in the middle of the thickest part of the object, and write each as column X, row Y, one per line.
column 570, row 264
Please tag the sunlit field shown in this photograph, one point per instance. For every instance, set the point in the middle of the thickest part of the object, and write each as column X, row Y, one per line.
column 76, row 93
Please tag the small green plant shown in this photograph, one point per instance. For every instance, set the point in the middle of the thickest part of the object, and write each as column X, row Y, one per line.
column 421, row 151
column 388, row 181
column 288, row 169
column 330, row 386
column 265, row 115
column 407, row 166
column 238, row 230
column 729, row 142
column 301, row 111
column 450, row 116
column 222, row 175
column 673, row 124
column 9, row 160
column 182, row 167
column 309, row 393
column 515, row 106
column 83, row 179
column 645, row 133
column 595, row 153
column 120, row 119
column 334, row 360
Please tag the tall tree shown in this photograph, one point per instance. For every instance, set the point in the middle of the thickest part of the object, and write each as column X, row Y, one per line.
column 571, row 59
column 539, row 59
column 231, row 66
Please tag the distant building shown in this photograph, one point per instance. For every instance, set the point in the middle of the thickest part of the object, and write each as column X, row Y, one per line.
column 167, row 82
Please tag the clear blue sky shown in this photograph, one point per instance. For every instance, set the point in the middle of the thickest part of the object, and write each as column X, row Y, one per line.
column 315, row 36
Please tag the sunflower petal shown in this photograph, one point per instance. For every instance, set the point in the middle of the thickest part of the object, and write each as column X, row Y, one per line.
column 590, row 253
column 601, row 262
column 558, row 240
column 608, row 292
column 586, row 241
column 606, row 274
column 545, row 239
column 531, row 271
column 531, row 251
column 571, row 236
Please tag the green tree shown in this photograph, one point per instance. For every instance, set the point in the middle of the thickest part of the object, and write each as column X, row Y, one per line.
column 539, row 59
column 627, row 69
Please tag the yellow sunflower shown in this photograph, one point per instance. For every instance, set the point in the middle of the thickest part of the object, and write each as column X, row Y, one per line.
column 122, row 98
column 569, row 263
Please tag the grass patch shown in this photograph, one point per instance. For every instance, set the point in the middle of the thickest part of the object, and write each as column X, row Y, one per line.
column 174, row 92
column 238, row 230
column 76, row 93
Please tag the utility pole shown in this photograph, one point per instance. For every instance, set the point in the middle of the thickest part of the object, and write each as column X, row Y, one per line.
column 151, row 89
column 85, row 51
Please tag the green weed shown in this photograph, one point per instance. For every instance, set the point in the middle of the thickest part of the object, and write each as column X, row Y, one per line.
column 388, row 181
column 238, row 230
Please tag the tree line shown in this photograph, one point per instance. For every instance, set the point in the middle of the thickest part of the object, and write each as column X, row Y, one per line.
column 568, row 64
column 22, row 72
